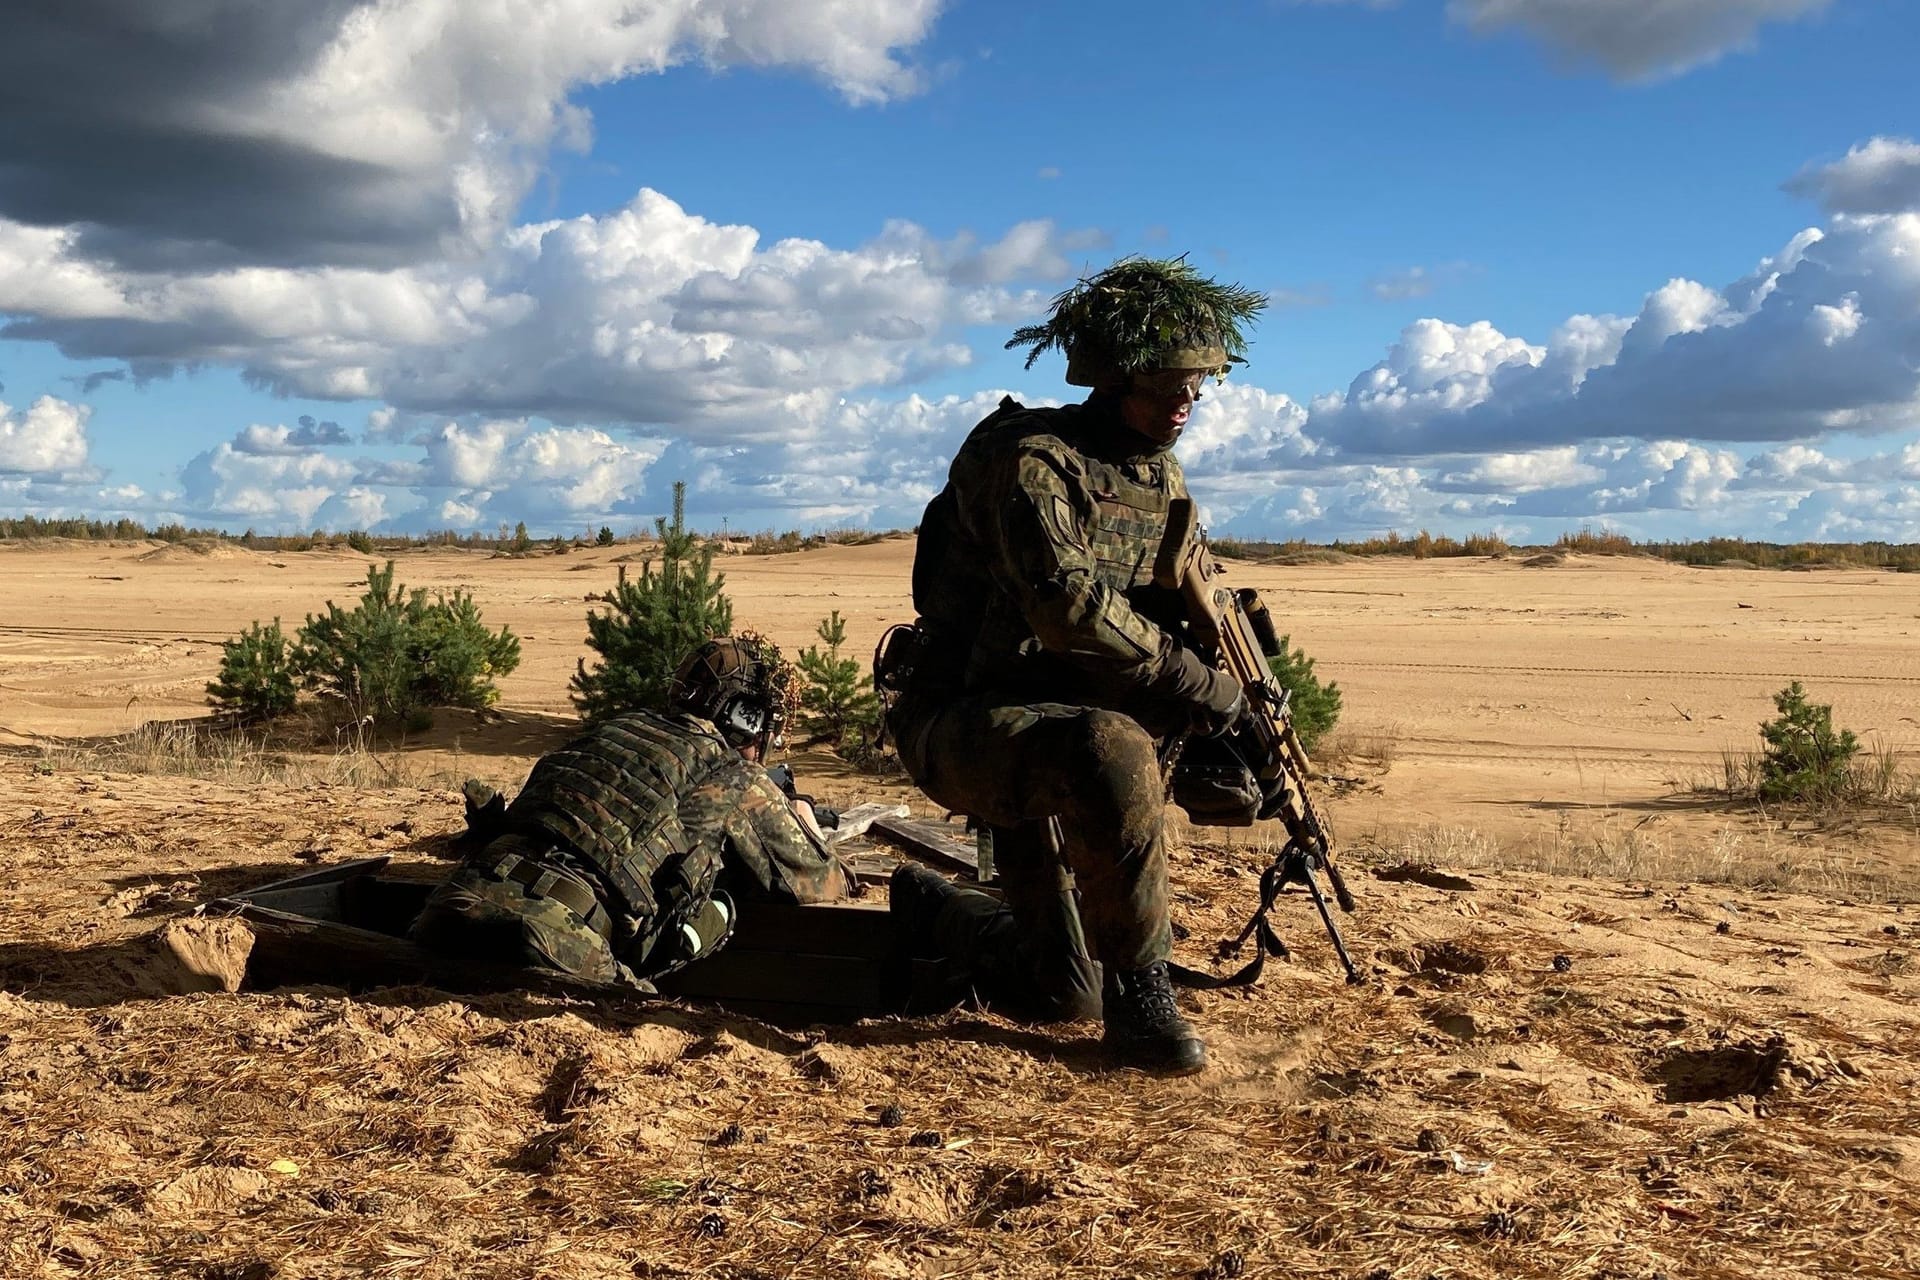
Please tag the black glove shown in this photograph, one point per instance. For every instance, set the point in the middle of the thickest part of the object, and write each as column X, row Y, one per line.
column 782, row 775
column 1219, row 709
column 1210, row 700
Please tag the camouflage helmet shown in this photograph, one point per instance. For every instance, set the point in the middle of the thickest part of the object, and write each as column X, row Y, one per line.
column 1140, row 315
column 742, row 684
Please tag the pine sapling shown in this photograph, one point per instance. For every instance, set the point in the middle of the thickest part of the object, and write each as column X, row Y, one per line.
column 1805, row 757
column 652, row 623
column 1316, row 707
column 257, row 680
column 837, row 699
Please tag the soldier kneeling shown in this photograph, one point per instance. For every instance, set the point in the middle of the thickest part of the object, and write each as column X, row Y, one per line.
column 1049, row 674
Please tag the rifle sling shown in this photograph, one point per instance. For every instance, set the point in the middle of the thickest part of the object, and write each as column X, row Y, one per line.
column 1266, row 943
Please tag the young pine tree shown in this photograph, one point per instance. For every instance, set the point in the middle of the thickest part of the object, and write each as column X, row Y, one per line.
column 1805, row 757
column 652, row 623
column 394, row 656
column 837, row 700
column 1316, row 707
column 256, row 679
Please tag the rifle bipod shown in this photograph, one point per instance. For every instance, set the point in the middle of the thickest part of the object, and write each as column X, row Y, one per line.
column 1293, row 865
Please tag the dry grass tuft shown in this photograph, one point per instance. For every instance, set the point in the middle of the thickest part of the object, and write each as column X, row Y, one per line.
column 1373, row 750
column 1756, row 853
column 209, row 750
column 1881, row 776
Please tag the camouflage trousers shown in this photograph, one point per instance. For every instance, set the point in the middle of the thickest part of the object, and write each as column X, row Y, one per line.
column 1090, row 774
column 478, row 918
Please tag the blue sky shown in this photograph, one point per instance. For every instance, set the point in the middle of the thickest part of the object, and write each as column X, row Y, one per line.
column 1536, row 264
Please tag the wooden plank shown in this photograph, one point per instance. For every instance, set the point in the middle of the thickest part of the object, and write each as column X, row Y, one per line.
column 827, row 928
column 930, row 842
column 855, row 821
column 291, row 949
column 871, row 868
column 323, row 875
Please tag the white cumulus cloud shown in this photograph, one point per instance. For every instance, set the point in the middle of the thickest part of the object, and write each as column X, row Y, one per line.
column 646, row 315
column 364, row 131
column 1880, row 175
column 49, row 437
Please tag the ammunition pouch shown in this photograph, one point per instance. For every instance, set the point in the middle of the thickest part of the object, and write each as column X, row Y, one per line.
column 1214, row 785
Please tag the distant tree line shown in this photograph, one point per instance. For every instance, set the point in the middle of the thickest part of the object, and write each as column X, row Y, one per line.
column 1903, row 557
column 510, row 540
column 515, row 540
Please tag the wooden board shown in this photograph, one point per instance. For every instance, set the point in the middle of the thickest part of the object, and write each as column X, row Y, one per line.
column 855, row 821
column 931, row 842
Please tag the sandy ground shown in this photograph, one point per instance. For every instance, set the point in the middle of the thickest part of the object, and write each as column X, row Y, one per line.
column 1553, row 709
column 1600, row 1069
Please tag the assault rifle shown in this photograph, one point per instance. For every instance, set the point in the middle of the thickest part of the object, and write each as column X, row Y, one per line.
column 1233, row 629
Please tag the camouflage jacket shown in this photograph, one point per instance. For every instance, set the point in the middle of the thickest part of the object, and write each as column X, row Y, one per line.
column 657, row 811
column 1034, row 570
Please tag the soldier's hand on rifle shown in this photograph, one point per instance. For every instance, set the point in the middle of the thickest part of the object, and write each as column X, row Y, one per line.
column 1210, row 700
column 1220, row 707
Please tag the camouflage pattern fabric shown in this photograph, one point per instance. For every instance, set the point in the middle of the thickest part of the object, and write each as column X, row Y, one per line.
column 1034, row 569
column 485, row 920
column 769, row 854
column 654, row 816
column 1014, row 767
column 1053, row 666
column 612, row 796
column 1026, row 957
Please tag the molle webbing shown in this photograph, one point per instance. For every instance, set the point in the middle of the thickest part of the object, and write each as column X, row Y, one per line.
column 612, row 797
column 1130, row 519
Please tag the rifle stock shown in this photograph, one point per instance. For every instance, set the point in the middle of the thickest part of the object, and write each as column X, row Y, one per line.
column 1234, row 629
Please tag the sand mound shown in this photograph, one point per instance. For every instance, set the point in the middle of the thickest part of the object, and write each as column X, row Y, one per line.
column 195, row 549
column 1316, row 555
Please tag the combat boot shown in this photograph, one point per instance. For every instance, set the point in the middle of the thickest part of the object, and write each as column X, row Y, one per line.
column 915, row 899
column 1144, row 1026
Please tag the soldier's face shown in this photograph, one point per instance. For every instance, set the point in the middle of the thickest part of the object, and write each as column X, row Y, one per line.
column 1158, row 404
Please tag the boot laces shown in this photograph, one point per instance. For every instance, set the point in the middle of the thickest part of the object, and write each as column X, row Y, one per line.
column 1151, row 997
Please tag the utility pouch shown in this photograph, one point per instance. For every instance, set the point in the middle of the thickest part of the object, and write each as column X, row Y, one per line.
column 897, row 657
column 1214, row 785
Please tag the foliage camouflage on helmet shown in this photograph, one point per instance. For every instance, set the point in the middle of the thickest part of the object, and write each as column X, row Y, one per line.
column 729, row 666
column 782, row 679
column 1142, row 314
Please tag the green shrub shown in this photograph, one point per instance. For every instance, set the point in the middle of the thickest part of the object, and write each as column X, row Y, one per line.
column 257, row 678
column 606, row 537
column 837, row 701
column 360, row 540
column 394, row 656
column 1804, row 757
column 457, row 656
column 1316, row 707
column 651, row 624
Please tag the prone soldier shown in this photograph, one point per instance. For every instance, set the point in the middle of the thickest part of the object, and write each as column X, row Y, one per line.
column 625, row 853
